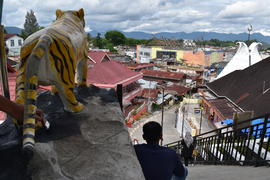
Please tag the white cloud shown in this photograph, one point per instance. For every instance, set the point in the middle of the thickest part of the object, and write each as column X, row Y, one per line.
column 150, row 15
column 87, row 29
column 239, row 9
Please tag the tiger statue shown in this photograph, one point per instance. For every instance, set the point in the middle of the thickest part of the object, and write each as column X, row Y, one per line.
column 52, row 56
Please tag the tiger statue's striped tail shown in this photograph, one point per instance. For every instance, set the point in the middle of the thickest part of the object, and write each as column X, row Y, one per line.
column 52, row 56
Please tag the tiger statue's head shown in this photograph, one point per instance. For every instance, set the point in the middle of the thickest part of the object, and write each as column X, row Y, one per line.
column 77, row 16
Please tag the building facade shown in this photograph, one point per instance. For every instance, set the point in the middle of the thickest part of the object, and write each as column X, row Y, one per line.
column 14, row 44
column 197, row 57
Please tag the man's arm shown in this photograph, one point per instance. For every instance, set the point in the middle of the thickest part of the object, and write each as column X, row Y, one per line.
column 16, row 110
column 180, row 170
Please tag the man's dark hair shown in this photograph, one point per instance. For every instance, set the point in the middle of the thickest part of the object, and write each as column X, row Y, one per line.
column 152, row 131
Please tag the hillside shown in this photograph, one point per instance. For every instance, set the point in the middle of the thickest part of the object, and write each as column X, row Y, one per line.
column 13, row 30
column 194, row 36
column 177, row 35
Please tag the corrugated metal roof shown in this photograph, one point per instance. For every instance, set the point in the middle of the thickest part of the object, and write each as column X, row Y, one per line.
column 225, row 107
column 245, row 87
column 162, row 74
column 110, row 73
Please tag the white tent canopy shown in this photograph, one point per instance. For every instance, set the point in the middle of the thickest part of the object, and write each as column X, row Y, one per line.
column 241, row 59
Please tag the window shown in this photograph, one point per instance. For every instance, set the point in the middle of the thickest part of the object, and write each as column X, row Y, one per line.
column 147, row 54
column 19, row 42
column 12, row 43
column 166, row 54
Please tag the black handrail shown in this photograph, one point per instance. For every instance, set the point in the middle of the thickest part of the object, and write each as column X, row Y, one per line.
column 242, row 144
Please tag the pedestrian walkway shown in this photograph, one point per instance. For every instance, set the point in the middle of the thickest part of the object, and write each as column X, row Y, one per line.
column 194, row 119
column 205, row 172
column 170, row 134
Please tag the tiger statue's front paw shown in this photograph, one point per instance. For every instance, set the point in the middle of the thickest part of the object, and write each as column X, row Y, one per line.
column 78, row 108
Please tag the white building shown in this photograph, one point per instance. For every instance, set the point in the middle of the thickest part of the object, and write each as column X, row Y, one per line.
column 144, row 55
column 189, row 43
column 14, row 44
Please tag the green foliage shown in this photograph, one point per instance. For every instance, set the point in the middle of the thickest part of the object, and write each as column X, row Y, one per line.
column 98, row 42
column 89, row 37
column 30, row 24
column 40, row 27
column 115, row 37
column 216, row 42
column 109, row 45
column 249, row 42
column 219, row 43
column 131, row 42
column 134, row 42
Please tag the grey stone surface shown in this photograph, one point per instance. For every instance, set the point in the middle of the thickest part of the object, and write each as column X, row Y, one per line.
column 205, row 172
column 93, row 144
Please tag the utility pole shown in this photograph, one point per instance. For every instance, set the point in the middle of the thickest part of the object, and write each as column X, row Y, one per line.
column 249, row 51
column 183, row 121
column 162, row 114
column 3, row 60
column 201, row 120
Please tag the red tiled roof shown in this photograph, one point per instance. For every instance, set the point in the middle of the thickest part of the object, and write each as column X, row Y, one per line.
column 110, row 73
column 136, row 66
column 162, row 74
column 6, row 36
column 195, row 77
column 131, row 95
column 225, row 107
column 12, row 86
column 150, row 93
column 180, row 90
column 10, row 68
column 98, row 56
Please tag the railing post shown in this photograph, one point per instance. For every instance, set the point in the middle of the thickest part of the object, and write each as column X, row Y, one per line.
column 261, row 139
column 219, row 137
column 178, row 147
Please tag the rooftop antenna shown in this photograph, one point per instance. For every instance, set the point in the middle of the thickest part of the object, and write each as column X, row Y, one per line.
column 249, row 51
column 250, row 28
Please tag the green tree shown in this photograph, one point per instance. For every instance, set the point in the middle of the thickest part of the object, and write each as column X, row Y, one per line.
column 98, row 42
column 249, row 42
column 115, row 37
column 30, row 24
column 109, row 46
column 89, row 37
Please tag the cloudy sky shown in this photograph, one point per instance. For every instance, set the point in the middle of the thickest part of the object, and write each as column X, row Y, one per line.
column 229, row 16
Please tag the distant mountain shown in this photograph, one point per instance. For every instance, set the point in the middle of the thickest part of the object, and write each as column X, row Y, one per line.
column 194, row 36
column 199, row 36
column 13, row 30
column 177, row 35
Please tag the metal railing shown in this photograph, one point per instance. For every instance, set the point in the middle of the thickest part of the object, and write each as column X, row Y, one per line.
column 245, row 143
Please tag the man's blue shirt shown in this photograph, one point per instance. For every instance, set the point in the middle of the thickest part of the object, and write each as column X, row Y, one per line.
column 158, row 163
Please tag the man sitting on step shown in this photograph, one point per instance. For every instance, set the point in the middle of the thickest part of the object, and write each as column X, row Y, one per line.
column 157, row 162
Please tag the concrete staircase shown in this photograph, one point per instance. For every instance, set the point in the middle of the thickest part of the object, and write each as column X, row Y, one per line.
column 211, row 172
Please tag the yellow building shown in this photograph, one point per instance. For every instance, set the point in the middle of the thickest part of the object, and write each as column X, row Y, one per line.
column 158, row 51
